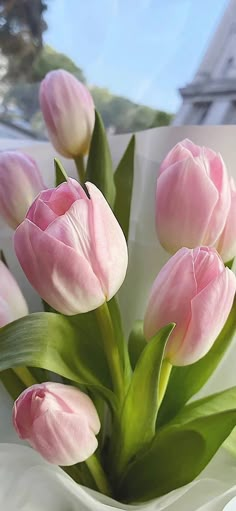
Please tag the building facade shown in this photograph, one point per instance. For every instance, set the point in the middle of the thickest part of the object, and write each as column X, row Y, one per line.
column 211, row 97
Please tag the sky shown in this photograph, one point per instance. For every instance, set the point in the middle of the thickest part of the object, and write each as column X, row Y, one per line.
column 141, row 49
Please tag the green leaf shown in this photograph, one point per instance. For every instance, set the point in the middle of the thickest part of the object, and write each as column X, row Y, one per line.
column 114, row 310
column 124, row 176
column 67, row 345
column 99, row 167
column 186, row 381
column 12, row 383
column 138, row 419
column 176, row 456
column 136, row 343
column 61, row 175
column 230, row 443
column 219, row 402
column 229, row 264
column 215, row 403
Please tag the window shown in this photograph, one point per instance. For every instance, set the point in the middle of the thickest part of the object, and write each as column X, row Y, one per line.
column 199, row 112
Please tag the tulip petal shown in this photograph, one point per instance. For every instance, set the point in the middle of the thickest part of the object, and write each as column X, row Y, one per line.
column 65, row 195
column 20, row 182
column 5, row 313
column 109, row 244
column 180, row 220
column 11, row 294
column 226, row 244
column 61, row 276
column 73, row 399
column 72, row 442
column 209, row 311
column 73, row 229
column 218, row 174
column 180, row 152
column 41, row 214
column 170, row 297
column 207, row 266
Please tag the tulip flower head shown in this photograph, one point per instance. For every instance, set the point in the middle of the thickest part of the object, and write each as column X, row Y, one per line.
column 195, row 291
column 72, row 248
column 20, row 182
column 68, row 111
column 59, row 421
column 192, row 197
column 12, row 302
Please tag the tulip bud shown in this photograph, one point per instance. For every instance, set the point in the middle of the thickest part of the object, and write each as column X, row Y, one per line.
column 12, row 302
column 68, row 111
column 72, row 248
column 195, row 291
column 20, row 182
column 226, row 244
column 59, row 421
column 192, row 197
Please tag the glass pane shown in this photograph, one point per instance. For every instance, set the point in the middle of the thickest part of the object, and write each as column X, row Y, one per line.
column 147, row 63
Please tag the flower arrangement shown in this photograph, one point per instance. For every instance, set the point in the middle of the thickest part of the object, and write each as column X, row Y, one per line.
column 119, row 421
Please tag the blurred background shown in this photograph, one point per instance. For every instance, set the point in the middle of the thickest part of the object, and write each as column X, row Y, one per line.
column 147, row 63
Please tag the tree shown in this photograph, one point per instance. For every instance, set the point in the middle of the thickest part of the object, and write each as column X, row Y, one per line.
column 49, row 59
column 24, row 97
column 125, row 116
column 21, row 34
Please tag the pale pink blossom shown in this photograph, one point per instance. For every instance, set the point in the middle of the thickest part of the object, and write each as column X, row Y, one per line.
column 192, row 197
column 20, row 182
column 195, row 291
column 72, row 248
column 59, row 421
column 12, row 302
column 68, row 111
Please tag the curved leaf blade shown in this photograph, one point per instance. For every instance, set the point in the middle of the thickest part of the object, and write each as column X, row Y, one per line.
column 215, row 403
column 176, row 456
column 115, row 313
column 99, row 166
column 136, row 342
column 138, row 419
column 124, row 176
column 61, row 175
column 67, row 345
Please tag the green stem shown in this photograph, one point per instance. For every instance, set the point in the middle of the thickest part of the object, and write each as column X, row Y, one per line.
column 111, row 349
column 25, row 376
column 79, row 163
column 74, row 474
column 99, row 475
column 164, row 378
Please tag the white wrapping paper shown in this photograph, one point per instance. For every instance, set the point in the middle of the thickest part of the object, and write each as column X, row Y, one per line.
column 39, row 486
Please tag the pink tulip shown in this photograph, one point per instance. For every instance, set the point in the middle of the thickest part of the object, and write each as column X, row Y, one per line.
column 192, row 197
column 20, row 182
column 12, row 302
column 59, row 421
column 72, row 248
column 68, row 111
column 226, row 244
column 195, row 291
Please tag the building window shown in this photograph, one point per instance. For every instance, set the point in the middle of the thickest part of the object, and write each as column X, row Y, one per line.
column 227, row 67
column 230, row 117
column 199, row 112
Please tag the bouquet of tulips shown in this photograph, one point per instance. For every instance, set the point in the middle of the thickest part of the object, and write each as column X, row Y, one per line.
column 114, row 413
